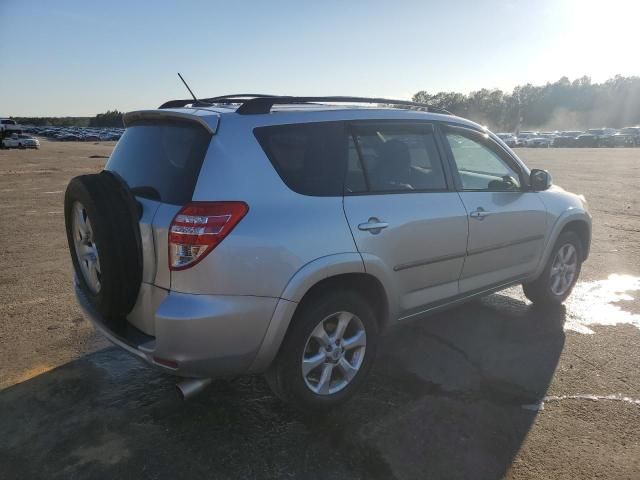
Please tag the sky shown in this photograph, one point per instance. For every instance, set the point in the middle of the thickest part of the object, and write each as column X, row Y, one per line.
column 81, row 57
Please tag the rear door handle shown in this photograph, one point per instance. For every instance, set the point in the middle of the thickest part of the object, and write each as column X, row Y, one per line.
column 373, row 225
column 479, row 213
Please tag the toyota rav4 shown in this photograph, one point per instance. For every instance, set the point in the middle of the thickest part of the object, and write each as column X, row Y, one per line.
column 284, row 235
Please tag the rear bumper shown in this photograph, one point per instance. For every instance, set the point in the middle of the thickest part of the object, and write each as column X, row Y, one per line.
column 201, row 335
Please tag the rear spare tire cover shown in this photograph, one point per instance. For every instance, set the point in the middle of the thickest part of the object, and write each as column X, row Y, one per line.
column 101, row 219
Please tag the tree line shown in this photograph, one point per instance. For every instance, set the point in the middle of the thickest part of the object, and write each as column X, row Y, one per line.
column 561, row 105
column 111, row 118
column 53, row 121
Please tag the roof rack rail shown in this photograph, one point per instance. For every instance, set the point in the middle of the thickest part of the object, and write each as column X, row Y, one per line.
column 234, row 98
column 263, row 104
column 254, row 103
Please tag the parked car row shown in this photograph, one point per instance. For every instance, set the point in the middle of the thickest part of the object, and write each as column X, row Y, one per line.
column 76, row 134
column 591, row 138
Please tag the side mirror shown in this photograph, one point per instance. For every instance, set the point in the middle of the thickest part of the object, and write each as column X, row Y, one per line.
column 539, row 180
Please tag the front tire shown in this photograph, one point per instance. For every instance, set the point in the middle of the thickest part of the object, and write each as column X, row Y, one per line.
column 560, row 274
column 327, row 352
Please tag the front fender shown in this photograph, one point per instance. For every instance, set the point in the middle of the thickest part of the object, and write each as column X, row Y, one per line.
column 569, row 215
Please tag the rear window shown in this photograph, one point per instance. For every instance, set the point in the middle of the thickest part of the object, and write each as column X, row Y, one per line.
column 161, row 160
column 310, row 158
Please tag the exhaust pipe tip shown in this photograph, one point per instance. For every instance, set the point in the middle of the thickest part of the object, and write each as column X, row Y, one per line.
column 189, row 388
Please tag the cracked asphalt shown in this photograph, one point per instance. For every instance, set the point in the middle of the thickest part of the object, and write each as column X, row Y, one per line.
column 493, row 389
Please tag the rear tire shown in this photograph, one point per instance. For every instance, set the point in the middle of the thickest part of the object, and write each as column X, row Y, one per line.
column 347, row 358
column 560, row 274
column 101, row 217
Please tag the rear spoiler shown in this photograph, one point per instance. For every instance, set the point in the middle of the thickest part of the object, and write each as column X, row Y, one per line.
column 209, row 121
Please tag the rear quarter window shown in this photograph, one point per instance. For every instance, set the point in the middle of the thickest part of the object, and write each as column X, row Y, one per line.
column 310, row 158
column 161, row 159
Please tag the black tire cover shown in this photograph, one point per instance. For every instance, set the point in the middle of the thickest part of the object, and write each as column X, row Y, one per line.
column 113, row 212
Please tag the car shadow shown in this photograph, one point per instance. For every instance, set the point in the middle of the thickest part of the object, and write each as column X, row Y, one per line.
column 445, row 399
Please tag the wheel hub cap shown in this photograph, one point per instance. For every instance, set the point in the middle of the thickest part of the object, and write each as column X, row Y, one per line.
column 336, row 354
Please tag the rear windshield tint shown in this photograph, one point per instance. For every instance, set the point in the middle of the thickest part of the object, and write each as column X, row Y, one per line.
column 310, row 157
column 161, row 160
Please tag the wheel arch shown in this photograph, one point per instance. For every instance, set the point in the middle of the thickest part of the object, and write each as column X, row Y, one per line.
column 574, row 220
column 362, row 283
column 341, row 271
column 583, row 230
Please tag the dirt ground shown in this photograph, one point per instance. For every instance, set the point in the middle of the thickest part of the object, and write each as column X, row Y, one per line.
column 492, row 389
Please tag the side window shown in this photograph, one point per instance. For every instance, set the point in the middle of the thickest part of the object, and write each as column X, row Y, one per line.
column 400, row 158
column 479, row 167
column 310, row 157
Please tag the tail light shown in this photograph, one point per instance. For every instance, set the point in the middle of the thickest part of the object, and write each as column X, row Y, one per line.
column 198, row 228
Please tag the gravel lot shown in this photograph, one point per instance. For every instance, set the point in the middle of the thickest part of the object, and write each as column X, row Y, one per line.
column 492, row 389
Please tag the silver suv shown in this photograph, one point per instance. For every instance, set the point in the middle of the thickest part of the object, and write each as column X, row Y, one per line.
column 284, row 235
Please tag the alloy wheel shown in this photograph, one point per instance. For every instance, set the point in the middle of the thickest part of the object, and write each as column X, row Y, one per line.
column 564, row 269
column 334, row 353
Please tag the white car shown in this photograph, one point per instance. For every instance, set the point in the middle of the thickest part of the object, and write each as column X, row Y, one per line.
column 543, row 140
column 524, row 137
column 509, row 139
column 8, row 126
column 20, row 140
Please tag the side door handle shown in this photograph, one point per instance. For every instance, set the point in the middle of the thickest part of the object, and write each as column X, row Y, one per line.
column 373, row 226
column 479, row 213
